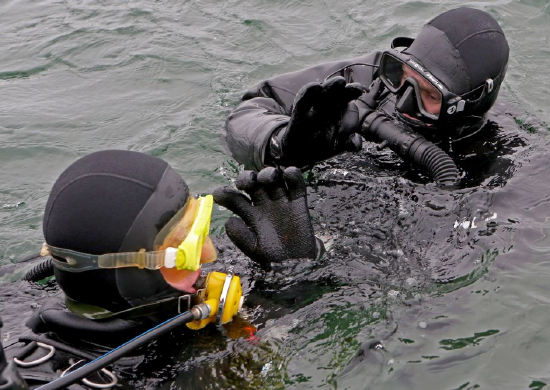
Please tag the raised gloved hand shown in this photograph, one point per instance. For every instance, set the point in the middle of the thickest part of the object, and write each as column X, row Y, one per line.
column 274, row 223
column 324, row 123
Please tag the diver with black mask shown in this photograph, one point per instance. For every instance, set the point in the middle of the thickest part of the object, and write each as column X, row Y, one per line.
column 416, row 98
column 126, row 243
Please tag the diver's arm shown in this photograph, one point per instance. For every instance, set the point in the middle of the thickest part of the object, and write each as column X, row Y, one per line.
column 267, row 107
column 249, row 128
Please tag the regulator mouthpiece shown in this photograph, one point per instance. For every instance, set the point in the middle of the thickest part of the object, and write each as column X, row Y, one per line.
column 224, row 295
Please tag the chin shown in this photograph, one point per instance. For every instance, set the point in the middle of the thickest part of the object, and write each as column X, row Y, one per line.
column 182, row 280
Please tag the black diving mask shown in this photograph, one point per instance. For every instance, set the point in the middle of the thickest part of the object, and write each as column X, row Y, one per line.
column 423, row 97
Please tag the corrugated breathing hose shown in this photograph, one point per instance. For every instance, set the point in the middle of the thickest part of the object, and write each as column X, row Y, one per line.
column 412, row 146
column 40, row 271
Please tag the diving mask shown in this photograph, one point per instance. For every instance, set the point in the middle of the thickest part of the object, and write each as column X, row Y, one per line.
column 187, row 256
column 424, row 97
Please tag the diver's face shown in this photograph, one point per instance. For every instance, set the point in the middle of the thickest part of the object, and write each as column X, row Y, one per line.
column 184, row 279
column 431, row 97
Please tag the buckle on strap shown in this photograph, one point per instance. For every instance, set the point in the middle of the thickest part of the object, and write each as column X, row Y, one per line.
column 29, row 349
column 181, row 304
column 187, row 303
column 89, row 383
column 223, row 298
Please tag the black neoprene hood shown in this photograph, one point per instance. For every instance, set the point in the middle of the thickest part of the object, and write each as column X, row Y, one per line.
column 107, row 202
column 466, row 52
column 463, row 48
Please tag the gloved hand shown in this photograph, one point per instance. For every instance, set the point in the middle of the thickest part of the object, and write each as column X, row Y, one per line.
column 274, row 223
column 324, row 123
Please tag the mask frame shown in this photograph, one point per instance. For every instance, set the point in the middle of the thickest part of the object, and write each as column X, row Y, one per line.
column 409, row 101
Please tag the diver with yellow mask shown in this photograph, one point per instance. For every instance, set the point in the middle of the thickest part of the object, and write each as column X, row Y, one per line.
column 126, row 242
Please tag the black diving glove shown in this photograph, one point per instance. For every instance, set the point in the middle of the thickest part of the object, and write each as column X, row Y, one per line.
column 274, row 223
column 324, row 122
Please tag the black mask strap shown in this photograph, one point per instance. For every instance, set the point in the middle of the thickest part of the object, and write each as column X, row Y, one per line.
column 401, row 42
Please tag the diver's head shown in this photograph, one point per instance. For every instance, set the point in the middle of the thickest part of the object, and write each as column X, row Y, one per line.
column 445, row 80
column 120, row 202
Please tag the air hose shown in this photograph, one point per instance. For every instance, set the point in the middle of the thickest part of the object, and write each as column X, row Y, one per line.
column 40, row 271
column 196, row 313
column 412, row 146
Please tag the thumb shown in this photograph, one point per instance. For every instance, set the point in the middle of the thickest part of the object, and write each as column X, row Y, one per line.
column 372, row 95
column 241, row 236
column 234, row 201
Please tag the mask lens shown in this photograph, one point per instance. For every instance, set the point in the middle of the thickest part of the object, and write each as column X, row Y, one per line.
column 391, row 72
column 398, row 76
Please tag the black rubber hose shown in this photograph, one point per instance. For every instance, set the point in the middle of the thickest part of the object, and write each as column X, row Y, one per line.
column 117, row 353
column 40, row 271
column 412, row 146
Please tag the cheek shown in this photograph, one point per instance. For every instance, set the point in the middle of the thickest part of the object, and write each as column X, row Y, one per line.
column 431, row 106
column 181, row 280
column 436, row 107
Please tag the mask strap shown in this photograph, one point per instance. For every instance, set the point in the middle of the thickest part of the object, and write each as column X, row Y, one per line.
column 401, row 42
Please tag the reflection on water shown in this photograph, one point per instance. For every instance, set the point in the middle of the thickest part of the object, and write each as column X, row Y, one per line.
column 421, row 287
column 467, row 341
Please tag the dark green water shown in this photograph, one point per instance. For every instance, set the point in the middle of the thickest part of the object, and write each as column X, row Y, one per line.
column 422, row 289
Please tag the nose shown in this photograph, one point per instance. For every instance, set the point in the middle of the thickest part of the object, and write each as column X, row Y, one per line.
column 406, row 104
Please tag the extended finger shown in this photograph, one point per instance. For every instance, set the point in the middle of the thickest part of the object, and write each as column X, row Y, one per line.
column 335, row 94
column 271, row 180
column 334, row 87
column 376, row 88
column 248, row 181
column 353, row 91
column 306, row 97
column 295, row 183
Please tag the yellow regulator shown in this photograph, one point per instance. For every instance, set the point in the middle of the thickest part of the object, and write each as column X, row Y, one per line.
column 223, row 294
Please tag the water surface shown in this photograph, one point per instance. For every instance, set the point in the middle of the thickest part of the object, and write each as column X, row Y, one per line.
column 423, row 288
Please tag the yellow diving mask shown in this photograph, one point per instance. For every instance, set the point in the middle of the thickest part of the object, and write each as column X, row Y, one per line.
column 187, row 256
